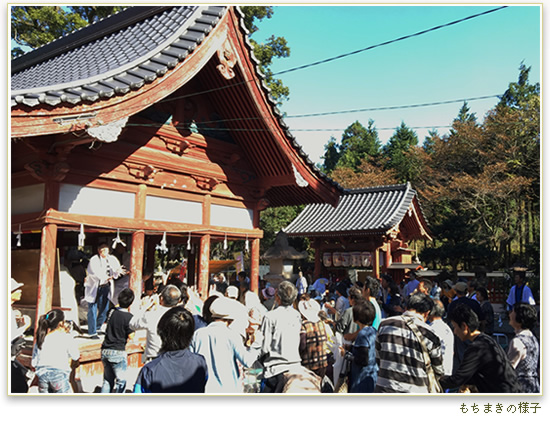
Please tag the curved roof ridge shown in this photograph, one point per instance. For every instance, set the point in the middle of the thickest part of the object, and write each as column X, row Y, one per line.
column 88, row 33
column 383, row 188
column 142, row 64
column 402, row 207
column 277, row 112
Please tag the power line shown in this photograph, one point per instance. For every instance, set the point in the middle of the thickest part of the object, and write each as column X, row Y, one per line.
column 405, row 37
column 406, row 106
column 339, row 56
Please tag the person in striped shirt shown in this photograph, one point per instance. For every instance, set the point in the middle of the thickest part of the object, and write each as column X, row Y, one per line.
column 399, row 355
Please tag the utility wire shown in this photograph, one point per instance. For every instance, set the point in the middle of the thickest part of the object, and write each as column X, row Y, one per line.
column 340, row 56
column 416, row 34
column 405, row 106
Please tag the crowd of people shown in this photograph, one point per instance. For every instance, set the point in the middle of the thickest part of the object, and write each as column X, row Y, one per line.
column 323, row 337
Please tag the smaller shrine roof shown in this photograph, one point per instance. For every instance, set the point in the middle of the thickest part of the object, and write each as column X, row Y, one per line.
column 372, row 210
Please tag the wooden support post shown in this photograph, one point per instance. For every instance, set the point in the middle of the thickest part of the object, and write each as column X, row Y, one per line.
column 136, row 266
column 138, row 248
column 376, row 263
column 204, row 266
column 255, row 265
column 46, row 271
column 387, row 261
column 318, row 261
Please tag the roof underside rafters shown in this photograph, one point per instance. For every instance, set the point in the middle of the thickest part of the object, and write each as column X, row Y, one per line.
column 160, row 43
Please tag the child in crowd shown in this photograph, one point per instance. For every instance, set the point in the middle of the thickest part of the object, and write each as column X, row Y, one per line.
column 55, row 347
column 364, row 370
column 113, row 349
column 176, row 369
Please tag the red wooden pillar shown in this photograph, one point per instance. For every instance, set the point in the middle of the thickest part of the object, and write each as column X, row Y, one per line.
column 318, row 260
column 204, row 264
column 46, row 271
column 376, row 263
column 387, row 261
column 138, row 248
column 136, row 265
column 255, row 265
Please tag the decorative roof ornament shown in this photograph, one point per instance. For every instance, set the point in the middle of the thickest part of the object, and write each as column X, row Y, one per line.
column 299, row 178
column 108, row 133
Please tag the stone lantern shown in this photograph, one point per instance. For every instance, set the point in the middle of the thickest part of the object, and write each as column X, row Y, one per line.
column 281, row 257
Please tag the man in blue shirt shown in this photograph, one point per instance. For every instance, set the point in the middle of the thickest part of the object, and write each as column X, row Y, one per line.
column 520, row 292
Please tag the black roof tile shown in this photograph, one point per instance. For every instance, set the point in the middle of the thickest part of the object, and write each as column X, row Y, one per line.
column 373, row 209
column 115, row 55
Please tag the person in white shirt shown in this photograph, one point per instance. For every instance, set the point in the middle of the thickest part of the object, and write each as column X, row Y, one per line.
column 148, row 317
column 103, row 268
column 445, row 334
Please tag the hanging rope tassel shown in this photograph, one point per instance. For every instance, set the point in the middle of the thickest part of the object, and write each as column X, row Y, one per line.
column 81, row 236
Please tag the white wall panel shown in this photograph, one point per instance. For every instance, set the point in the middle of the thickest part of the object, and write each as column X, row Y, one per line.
column 169, row 209
column 225, row 216
column 92, row 201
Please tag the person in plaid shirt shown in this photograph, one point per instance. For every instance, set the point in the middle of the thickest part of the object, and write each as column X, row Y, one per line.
column 313, row 338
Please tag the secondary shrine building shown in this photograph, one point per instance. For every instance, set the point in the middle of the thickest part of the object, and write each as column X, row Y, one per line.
column 152, row 121
column 368, row 231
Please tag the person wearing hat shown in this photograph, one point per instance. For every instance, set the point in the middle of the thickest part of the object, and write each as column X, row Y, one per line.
column 99, row 286
column 268, row 298
column 223, row 348
column 19, row 323
column 281, row 337
column 520, row 292
column 313, row 338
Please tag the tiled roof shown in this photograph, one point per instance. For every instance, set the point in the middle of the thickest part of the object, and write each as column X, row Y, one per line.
column 113, row 56
column 374, row 209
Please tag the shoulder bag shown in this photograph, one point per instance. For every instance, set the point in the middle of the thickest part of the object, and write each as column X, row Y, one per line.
column 433, row 384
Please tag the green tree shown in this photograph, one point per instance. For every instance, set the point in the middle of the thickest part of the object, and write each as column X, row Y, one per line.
column 331, row 157
column 358, row 143
column 396, row 148
column 35, row 26
column 274, row 47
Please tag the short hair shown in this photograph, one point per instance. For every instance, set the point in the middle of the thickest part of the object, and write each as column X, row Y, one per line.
column 287, row 293
column 373, row 285
column 482, row 293
column 438, row 309
column 427, row 284
column 355, row 293
column 176, row 328
column 420, row 303
column 526, row 315
column 472, row 283
column 126, row 297
column 170, row 295
column 463, row 314
column 364, row 313
column 102, row 245
column 242, row 274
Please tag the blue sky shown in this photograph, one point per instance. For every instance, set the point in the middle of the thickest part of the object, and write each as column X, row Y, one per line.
column 475, row 58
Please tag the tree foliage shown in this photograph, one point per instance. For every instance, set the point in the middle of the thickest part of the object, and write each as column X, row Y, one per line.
column 274, row 47
column 35, row 26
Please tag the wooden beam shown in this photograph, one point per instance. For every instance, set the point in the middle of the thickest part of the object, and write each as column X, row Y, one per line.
column 63, row 218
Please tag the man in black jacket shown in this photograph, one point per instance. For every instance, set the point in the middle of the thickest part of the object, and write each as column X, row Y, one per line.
column 485, row 364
